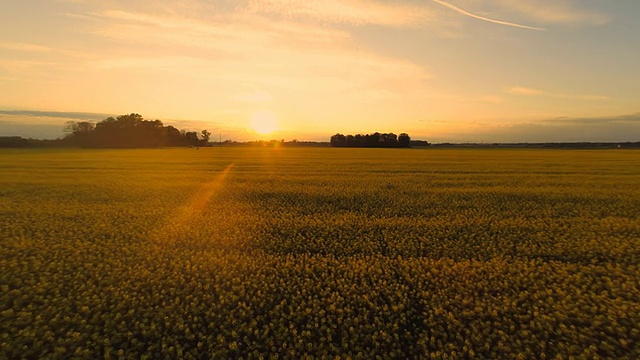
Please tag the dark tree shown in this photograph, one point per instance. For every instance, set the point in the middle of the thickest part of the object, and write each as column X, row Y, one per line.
column 206, row 135
column 191, row 138
column 373, row 140
column 79, row 127
column 174, row 136
column 79, row 132
column 389, row 140
column 338, row 140
column 384, row 140
column 130, row 131
column 358, row 140
column 404, row 140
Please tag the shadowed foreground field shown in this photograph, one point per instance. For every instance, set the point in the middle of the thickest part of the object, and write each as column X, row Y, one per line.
column 294, row 253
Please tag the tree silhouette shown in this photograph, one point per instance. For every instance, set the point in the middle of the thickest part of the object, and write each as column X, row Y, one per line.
column 379, row 140
column 404, row 140
column 206, row 135
column 338, row 140
column 192, row 138
column 80, row 131
column 130, row 131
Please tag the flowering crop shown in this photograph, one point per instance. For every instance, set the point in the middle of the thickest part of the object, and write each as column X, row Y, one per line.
column 306, row 253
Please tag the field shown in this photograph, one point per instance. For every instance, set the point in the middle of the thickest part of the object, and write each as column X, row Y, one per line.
column 296, row 253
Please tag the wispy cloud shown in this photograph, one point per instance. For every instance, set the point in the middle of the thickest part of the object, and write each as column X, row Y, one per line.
column 352, row 12
column 499, row 22
column 526, row 91
column 629, row 119
column 521, row 90
column 41, row 124
column 56, row 114
column 615, row 128
column 50, row 124
column 250, row 48
column 230, row 34
column 153, row 63
column 27, row 65
column 22, row 46
column 554, row 11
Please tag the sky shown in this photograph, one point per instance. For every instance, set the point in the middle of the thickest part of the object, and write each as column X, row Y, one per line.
column 442, row 71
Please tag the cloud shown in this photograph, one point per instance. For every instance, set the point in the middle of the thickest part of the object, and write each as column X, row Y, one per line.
column 247, row 50
column 50, row 124
column 521, row 90
column 56, row 114
column 629, row 119
column 525, row 91
column 30, row 130
column 554, row 11
column 499, row 22
column 155, row 63
column 24, row 65
column 615, row 128
column 351, row 12
column 22, row 46
column 595, row 129
column 230, row 34
column 491, row 99
column 41, row 124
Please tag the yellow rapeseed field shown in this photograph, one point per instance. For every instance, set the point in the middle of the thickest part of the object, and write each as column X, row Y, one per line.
column 319, row 253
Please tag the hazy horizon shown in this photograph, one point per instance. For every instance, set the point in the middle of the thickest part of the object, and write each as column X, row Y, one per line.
column 442, row 71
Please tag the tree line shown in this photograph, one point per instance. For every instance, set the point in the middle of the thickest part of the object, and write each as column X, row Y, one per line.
column 385, row 140
column 131, row 131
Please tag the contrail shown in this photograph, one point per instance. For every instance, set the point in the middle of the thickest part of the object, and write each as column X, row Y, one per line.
column 453, row 7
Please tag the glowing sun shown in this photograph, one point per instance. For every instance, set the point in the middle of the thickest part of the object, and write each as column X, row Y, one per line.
column 264, row 123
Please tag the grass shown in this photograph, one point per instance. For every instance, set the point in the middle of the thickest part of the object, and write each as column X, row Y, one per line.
column 293, row 252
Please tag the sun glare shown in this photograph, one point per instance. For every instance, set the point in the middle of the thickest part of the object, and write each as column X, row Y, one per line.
column 264, row 123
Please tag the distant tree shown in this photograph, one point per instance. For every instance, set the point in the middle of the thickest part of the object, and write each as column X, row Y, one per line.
column 130, row 130
column 404, row 140
column 388, row 140
column 419, row 143
column 350, row 140
column 129, row 121
column 79, row 132
column 384, row 140
column 174, row 136
column 191, row 138
column 123, row 131
column 79, row 127
column 358, row 140
column 373, row 140
column 338, row 140
column 13, row 142
column 206, row 135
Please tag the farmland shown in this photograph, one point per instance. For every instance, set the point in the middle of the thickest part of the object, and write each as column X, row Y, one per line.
column 294, row 253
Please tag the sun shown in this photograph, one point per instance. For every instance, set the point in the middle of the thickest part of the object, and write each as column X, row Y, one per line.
column 264, row 123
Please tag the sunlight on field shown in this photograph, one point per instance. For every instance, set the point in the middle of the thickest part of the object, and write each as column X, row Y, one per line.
column 186, row 213
column 229, row 252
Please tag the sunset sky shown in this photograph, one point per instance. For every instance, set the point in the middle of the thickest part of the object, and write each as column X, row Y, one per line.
column 443, row 71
